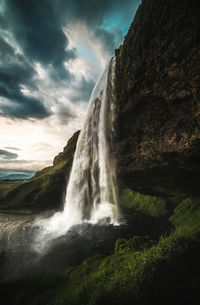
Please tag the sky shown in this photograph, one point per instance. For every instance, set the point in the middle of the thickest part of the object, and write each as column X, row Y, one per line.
column 52, row 52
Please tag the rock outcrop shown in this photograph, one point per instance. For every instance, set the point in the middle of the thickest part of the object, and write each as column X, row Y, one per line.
column 158, row 94
column 68, row 150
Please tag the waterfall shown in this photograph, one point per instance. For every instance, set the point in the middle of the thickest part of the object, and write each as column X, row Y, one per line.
column 92, row 186
column 91, row 191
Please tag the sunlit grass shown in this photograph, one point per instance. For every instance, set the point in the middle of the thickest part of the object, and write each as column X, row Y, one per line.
column 148, row 205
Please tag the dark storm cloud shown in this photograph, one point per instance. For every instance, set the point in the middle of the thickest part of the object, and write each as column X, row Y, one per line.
column 107, row 39
column 5, row 49
column 37, row 26
column 12, row 76
column 2, row 23
column 37, row 29
column 7, row 155
column 93, row 12
column 83, row 91
column 60, row 73
column 16, row 73
column 23, row 107
column 88, row 11
column 65, row 114
column 39, row 34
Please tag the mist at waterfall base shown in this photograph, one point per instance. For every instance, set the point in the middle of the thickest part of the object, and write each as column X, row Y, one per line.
column 21, row 256
column 89, row 223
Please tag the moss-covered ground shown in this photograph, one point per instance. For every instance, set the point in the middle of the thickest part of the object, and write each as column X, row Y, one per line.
column 141, row 270
column 149, row 205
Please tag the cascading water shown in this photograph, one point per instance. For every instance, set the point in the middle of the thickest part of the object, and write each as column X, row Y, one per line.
column 91, row 192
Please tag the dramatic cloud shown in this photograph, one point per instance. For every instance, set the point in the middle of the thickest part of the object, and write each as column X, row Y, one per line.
column 107, row 19
column 82, row 91
column 15, row 71
column 51, row 55
column 6, row 51
column 7, row 155
column 22, row 107
column 64, row 113
column 36, row 27
column 94, row 12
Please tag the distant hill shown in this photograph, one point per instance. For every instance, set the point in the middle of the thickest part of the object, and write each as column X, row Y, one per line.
column 17, row 176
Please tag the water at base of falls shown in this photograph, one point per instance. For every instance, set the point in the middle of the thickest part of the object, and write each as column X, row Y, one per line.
column 91, row 193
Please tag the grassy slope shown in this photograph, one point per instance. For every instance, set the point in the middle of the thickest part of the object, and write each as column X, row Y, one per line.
column 40, row 192
column 5, row 187
column 46, row 190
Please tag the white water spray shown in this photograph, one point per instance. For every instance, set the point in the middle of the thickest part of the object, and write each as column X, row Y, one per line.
column 91, row 192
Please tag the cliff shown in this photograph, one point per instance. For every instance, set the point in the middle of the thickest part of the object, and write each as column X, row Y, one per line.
column 158, row 86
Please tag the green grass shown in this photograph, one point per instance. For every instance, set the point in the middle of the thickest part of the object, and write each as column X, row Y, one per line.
column 5, row 187
column 148, row 205
column 140, row 271
column 129, row 278
column 186, row 216
column 137, row 243
column 44, row 191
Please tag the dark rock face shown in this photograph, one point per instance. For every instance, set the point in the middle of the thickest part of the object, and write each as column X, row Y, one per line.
column 158, row 93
